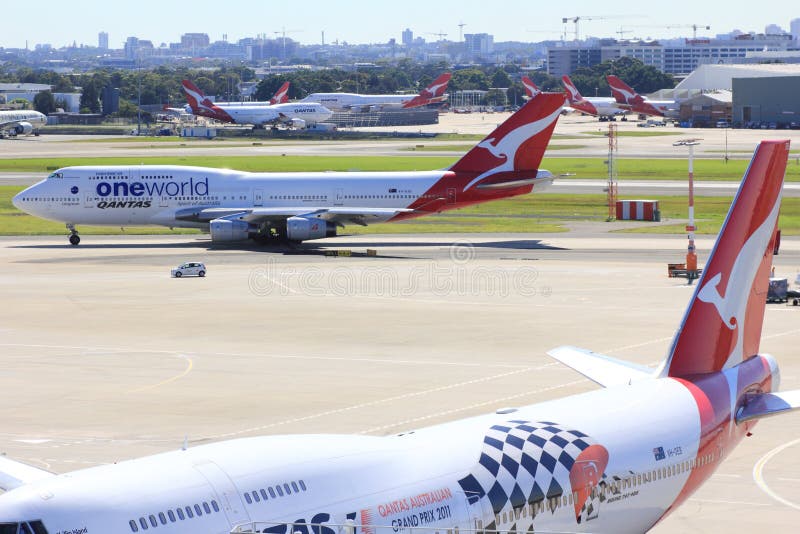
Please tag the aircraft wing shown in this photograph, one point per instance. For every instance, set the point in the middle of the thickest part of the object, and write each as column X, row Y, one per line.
column 14, row 474
column 338, row 214
column 763, row 405
column 599, row 368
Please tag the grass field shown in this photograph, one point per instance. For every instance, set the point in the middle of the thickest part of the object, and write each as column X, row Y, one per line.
column 629, row 169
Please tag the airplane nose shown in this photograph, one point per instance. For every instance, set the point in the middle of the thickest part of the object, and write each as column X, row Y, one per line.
column 17, row 200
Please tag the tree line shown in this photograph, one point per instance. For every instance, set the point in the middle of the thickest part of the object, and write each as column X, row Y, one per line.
column 162, row 85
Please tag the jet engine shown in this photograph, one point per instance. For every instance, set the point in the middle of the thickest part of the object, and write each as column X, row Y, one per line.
column 298, row 123
column 303, row 229
column 224, row 230
column 23, row 128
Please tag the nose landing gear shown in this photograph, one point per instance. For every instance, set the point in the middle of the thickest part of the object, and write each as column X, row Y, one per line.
column 74, row 238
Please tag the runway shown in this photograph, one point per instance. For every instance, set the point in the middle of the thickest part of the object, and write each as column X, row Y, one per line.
column 104, row 357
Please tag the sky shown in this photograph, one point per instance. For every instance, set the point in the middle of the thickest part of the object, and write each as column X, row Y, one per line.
column 61, row 23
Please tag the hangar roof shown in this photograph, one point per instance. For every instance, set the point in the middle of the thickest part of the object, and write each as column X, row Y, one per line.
column 711, row 77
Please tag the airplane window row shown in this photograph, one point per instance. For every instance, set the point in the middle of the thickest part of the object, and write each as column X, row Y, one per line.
column 160, row 177
column 278, row 490
column 172, row 516
column 298, row 197
column 379, row 196
column 605, row 490
column 49, row 199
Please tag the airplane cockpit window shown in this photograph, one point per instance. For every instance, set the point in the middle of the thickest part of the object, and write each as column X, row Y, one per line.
column 55, row 175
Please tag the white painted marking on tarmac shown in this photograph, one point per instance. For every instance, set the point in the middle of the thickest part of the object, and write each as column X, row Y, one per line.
column 32, row 441
column 758, row 473
column 380, row 401
column 735, row 503
column 471, row 407
column 273, row 356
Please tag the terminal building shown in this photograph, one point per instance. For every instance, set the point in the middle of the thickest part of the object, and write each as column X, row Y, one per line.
column 674, row 57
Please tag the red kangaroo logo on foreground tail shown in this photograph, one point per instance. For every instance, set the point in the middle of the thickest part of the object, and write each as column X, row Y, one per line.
column 722, row 326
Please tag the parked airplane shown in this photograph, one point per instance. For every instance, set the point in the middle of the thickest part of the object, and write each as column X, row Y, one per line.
column 281, row 96
column 626, row 97
column 20, row 122
column 350, row 101
column 598, row 106
column 235, row 206
column 297, row 115
column 615, row 460
column 530, row 88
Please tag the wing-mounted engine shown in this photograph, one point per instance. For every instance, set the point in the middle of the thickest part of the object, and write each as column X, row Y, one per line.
column 298, row 124
column 226, row 230
column 23, row 128
column 305, row 228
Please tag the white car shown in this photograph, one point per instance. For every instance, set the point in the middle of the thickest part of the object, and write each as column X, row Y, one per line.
column 191, row 268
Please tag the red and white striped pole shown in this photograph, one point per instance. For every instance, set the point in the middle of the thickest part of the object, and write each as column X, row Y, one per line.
column 691, row 254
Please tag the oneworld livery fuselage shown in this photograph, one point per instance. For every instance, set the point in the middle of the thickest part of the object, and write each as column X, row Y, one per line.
column 235, row 205
column 614, row 460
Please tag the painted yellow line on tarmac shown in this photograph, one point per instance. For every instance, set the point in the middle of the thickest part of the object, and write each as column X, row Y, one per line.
column 758, row 473
column 189, row 367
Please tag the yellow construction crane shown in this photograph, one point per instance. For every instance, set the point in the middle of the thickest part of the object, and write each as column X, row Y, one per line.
column 575, row 20
column 694, row 27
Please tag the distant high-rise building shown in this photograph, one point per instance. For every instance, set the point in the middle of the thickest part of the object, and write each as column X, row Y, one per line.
column 102, row 40
column 478, row 44
column 773, row 29
column 408, row 37
column 794, row 28
column 194, row 41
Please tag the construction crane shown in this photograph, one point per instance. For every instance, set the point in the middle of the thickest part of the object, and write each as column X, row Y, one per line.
column 577, row 19
column 694, row 27
column 439, row 34
column 282, row 34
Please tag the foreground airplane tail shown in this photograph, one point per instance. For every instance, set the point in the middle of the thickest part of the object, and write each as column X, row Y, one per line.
column 516, row 146
column 722, row 325
column 281, row 96
column 530, row 88
column 433, row 93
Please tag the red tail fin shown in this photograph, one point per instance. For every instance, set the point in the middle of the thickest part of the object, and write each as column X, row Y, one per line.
column 519, row 143
column 435, row 91
column 573, row 95
column 281, row 96
column 530, row 88
column 622, row 92
column 722, row 326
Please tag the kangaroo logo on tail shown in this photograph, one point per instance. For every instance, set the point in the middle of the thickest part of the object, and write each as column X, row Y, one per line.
column 281, row 96
column 530, row 87
column 436, row 89
column 506, row 147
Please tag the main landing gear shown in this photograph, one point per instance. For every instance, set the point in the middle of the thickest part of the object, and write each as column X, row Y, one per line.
column 74, row 238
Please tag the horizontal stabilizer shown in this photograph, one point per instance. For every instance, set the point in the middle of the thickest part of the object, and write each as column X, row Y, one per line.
column 509, row 184
column 599, row 368
column 14, row 474
column 768, row 404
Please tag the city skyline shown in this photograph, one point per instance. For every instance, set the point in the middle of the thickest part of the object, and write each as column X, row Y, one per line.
column 358, row 22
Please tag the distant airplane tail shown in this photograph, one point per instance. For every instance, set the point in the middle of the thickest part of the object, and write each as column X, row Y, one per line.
column 530, row 88
column 722, row 325
column 201, row 105
column 573, row 95
column 281, row 96
column 622, row 92
column 514, row 150
column 433, row 93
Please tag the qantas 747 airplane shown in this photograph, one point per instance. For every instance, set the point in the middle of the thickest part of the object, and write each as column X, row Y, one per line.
column 617, row 459
column 236, row 206
column 628, row 98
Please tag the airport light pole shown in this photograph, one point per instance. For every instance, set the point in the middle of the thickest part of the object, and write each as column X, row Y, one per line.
column 691, row 254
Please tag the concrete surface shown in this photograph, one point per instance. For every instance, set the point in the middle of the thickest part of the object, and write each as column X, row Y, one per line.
column 104, row 357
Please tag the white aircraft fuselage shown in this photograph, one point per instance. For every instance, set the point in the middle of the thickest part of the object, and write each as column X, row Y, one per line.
column 425, row 478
